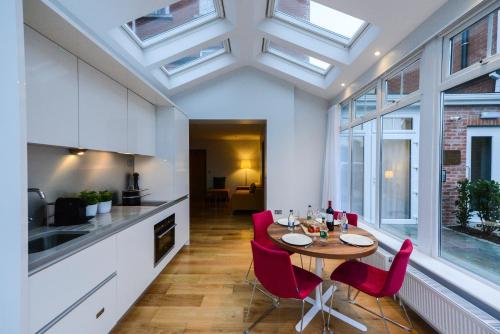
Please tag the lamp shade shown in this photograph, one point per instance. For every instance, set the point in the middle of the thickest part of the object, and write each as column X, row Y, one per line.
column 245, row 164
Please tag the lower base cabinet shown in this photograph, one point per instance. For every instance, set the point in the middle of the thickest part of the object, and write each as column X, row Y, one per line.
column 96, row 314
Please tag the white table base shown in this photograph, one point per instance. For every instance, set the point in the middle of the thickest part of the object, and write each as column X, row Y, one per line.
column 317, row 307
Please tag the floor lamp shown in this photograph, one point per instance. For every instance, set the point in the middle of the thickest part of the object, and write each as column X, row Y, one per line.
column 245, row 164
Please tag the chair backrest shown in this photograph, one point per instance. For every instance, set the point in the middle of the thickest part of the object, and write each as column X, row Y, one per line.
column 273, row 269
column 352, row 218
column 261, row 221
column 397, row 272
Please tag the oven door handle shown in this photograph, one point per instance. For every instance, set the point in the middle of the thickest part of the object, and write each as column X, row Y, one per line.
column 165, row 233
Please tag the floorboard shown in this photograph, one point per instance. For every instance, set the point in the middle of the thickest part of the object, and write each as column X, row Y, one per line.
column 203, row 290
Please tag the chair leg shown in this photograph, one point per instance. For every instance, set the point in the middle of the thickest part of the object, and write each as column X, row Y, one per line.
column 331, row 307
column 302, row 317
column 248, row 272
column 406, row 314
column 274, row 305
column 383, row 316
column 301, row 262
column 310, row 261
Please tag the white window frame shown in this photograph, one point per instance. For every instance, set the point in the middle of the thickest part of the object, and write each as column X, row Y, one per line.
column 269, row 50
column 182, row 29
column 449, row 34
column 310, row 27
column 225, row 50
column 400, row 70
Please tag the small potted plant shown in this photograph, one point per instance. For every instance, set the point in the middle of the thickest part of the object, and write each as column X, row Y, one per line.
column 92, row 199
column 105, row 201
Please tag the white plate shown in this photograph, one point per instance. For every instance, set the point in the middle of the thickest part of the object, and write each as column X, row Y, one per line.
column 356, row 239
column 284, row 222
column 296, row 239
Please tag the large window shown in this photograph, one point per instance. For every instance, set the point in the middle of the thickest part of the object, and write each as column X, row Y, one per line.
column 470, row 192
column 297, row 57
column 402, row 83
column 475, row 43
column 344, row 170
column 363, row 170
column 345, row 116
column 399, row 172
column 320, row 19
column 366, row 103
column 197, row 57
column 167, row 21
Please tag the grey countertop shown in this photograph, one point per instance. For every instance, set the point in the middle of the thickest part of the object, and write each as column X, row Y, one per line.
column 99, row 228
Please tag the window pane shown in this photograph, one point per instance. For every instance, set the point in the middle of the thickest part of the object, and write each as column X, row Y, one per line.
column 171, row 17
column 186, row 60
column 471, row 150
column 403, row 83
column 344, row 114
column 365, row 104
column 321, row 16
column 344, row 170
column 363, row 169
column 474, row 43
column 399, row 169
column 300, row 58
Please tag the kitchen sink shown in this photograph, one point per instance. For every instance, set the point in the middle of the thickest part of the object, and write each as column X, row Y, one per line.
column 52, row 239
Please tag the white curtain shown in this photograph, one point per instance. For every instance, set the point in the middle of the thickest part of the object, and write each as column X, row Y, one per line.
column 331, row 168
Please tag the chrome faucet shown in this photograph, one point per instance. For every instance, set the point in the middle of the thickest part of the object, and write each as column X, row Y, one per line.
column 38, row 191
column 37, row 209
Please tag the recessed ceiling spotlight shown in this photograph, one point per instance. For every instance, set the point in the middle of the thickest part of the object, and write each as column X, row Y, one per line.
column 342, row 84
column 376, row 53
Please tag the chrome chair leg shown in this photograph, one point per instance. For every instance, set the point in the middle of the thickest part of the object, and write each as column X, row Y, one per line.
column 274, row 305
column 301, row 262
column 302, row 317
column 248, row 272
column 331, row 307
column 251, row 299
column 406, row 314
column 383, row 316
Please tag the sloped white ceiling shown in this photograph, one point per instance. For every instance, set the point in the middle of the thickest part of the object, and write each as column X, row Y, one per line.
column 246, row 25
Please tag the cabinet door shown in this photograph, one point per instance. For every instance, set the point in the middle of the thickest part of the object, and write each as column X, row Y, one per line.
column 97, row 314
column 181, row 164
column 51, row 92
column 141, row 130
column 182, row 221
column 135, row 262
column 102, row 111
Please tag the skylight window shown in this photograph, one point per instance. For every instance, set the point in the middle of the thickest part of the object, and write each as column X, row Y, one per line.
column 168, row 21
column 196, row 58
column 320, row 19
column 297, row 57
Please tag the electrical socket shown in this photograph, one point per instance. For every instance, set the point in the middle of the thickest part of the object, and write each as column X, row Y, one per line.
column 278, row 212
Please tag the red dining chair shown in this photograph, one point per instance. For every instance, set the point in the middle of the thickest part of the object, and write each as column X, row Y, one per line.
column 261, row 222
column 352, row 218
column 376, row 282
column 274, row 270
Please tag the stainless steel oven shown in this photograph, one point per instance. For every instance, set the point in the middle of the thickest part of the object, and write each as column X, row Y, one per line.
column 164, row 233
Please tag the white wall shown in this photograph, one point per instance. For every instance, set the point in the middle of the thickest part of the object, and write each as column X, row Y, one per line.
column 13, row 208
column 224, row 159
column 250, row 94
column 58, row 173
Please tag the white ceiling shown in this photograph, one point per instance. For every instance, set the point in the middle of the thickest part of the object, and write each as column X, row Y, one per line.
column 246, row 24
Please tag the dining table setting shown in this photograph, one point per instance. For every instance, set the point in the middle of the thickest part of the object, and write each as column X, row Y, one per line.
column 312, row 237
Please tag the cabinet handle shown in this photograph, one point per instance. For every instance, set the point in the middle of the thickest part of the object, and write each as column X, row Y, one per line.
column 98, row 314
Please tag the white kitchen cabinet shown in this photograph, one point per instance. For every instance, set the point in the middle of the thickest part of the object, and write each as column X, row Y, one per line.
column 181, row 154
column 51, row 92
column 102, row 111
column 182, row 220
column 135, row 262
column 141, row 125
column 56, row 288
column 96, row 314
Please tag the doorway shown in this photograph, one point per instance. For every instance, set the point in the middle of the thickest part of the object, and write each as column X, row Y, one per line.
column 227, row 166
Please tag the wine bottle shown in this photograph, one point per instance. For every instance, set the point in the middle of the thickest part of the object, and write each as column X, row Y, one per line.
column 329, row 216
column 309, row 215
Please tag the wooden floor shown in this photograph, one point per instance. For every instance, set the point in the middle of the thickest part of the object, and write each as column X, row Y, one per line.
column 203, row 291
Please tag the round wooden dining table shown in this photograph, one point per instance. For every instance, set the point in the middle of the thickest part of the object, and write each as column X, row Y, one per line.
column 333, row 248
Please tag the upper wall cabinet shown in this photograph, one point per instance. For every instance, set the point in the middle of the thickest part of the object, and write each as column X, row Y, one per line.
column 51, row 92
column 102, row 111
column 141, row 120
